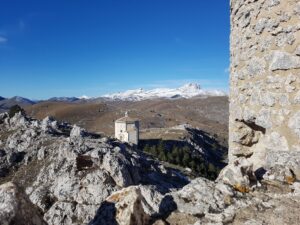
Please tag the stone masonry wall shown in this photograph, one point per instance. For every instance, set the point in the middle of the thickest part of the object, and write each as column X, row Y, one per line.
column 265, row 79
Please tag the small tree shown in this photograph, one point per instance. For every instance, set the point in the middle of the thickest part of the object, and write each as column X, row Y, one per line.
column 193, row 165
column 161, row 146
column 170, row 157
column 147, row 148
column 153, row 150
column 186, row 159
column 14, row 110
column 162, row 156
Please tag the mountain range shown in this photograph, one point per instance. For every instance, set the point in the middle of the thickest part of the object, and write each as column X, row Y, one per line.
column 186, row 91
column 6, row 103
column 189, row 90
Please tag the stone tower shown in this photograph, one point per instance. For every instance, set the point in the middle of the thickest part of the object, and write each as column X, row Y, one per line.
column 265, row 80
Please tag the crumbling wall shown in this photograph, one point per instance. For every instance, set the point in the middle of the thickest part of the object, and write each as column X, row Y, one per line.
column 265, row 79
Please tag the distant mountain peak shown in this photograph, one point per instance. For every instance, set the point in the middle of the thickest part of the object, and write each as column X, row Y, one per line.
column 190, row 86
column 84, row 97
column 20, row 99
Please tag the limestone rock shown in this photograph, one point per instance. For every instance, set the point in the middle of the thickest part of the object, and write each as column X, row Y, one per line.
column 294, row 123
column 16, row 208
column 198, row 198
column 276, row 142
column 284, row 61
column 68, row 178
column 271, row 3
column 284, row 160
column 239, row 175
column 77, row 132
column 48, row 124
column 133, row 205
column 17, row 121
column 297, row 98
column 245, row 135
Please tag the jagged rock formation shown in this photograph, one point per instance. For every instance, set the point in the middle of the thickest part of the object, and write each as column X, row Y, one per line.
column 200, row 202
column 265, row 82
column 71, row 176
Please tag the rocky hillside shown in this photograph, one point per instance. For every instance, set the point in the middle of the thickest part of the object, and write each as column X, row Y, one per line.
column 56, row 173
column 67, row 173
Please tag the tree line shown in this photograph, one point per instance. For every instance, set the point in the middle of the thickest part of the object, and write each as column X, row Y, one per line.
column 183, row 156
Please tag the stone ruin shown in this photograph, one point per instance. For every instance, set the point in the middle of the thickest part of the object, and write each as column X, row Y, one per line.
column 264, row 119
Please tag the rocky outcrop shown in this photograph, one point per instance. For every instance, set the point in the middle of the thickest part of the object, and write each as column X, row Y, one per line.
column 68, row 173
column 134, row 205
column 200, row 202
column 73, row 177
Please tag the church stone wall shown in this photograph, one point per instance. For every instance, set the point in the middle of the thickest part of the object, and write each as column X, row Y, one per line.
column 265, row 79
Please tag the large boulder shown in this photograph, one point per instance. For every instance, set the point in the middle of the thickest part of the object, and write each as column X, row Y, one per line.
column 202, row 196
column 137, row 205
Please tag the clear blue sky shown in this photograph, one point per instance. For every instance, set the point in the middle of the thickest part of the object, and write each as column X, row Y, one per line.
column 92, row 47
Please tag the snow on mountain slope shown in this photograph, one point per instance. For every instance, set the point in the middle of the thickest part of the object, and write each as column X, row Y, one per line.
column 186, row 91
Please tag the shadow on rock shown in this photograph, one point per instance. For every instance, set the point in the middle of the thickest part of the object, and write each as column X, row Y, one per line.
column 167, row 206
column 106, row 215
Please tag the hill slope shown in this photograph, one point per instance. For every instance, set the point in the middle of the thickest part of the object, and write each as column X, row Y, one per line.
column 6, row 103
column 209, row 114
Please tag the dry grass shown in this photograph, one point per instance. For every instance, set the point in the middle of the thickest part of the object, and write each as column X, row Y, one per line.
column 209, row 114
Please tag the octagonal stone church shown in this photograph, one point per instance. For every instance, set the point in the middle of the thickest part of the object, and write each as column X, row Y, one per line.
column 127, row 129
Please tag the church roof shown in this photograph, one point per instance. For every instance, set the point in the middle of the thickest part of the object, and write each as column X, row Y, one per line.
column 126, row 119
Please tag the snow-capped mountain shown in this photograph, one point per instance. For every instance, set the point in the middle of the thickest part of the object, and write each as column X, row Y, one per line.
column 186, row 91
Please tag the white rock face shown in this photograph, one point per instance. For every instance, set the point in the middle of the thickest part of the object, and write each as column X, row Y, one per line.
column 284, row 160
column 15, row 207
column 77, row 132
column 284, row 61
column 199, row 197
column 186, row 91
column 132, row 205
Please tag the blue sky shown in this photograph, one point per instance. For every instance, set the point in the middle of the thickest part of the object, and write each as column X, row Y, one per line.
column 93, row 47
